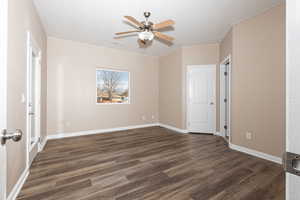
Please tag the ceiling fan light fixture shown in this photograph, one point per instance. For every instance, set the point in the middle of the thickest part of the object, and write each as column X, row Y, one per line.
column 146, row 36
column 147, row 30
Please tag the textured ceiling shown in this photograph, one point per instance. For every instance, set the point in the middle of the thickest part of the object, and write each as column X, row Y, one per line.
column 96, row 21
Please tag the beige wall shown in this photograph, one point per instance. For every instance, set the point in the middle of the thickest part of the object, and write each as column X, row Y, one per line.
column 204, row 54
column 21, row 17
column 72, row 88
column 257, row 78
column 226, row 46
column 172, row 82
column 170, row 90
column 258, row 83
column 257, row 47
column 225, row 51
column 69, row 61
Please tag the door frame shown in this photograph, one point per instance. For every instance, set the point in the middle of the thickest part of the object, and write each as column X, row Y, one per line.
column 3, row 91
column 292, row 93
column 214, row 66
column 221, row 98
column 32, row 46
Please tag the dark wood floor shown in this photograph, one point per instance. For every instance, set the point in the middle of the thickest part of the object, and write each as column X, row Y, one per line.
column 150, row 164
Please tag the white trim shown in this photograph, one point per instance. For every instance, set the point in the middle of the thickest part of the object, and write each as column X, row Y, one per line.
column 102, row 131
column 226, row 60
column 99, row 131
column 219, row 134
column 255, row 153
column 43, row 144
column 18, row 186
column 292, row 93
column 173, row 128
column 288, row 177
column 188, row 67
column 32, row 46
column 3, row 92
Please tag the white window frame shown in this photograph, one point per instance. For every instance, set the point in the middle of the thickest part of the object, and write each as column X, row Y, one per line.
column 129, row 86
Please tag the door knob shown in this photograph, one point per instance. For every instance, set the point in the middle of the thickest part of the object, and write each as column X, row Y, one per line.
column 31, row 113
column 211, row 103
column 15, row 135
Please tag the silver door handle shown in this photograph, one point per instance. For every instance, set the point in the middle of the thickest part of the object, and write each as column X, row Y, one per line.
column 31, row 113
column 212, row 103
column 15, row 135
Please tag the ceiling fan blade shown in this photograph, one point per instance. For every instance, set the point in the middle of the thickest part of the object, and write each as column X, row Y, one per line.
column 134, row 21
column 163, row 36
column 163, row 24
column 122, row 33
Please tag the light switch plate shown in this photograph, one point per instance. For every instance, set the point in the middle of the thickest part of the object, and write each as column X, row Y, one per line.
column 23, row 98
column 249, row 136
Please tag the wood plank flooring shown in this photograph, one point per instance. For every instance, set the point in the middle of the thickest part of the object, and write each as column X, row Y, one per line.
column 149, row 164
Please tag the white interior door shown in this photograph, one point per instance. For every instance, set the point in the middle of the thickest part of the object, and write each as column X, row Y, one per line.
column 201, row 99
column 2, row 169
column 293, row 96
column 33, row 98
column 3, row 164
column 3, row 74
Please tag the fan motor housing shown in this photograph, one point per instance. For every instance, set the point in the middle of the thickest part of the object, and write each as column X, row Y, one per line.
column 147, row 25
column 147, row 14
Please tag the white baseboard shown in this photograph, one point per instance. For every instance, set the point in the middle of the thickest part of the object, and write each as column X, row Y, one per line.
column 43, row 144
column 99, row 131
column 173, row 128
column 255, row 153
column 218, row 134
column 18, row 186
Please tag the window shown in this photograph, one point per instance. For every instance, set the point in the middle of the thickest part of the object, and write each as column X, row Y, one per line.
column 112, row 86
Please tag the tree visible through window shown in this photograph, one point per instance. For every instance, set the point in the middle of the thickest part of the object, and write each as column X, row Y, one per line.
column 112, row 86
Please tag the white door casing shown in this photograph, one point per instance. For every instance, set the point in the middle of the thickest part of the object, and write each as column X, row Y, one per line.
column 33, row 97
column 293, row 92
column 201, row 98
column 3, row 88
column 225, row 93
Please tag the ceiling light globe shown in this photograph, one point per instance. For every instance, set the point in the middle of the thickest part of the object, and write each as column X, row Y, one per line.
column 146, row 36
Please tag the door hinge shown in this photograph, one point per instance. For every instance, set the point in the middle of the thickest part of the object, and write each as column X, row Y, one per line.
column 225, row 127
column 225, row 100
column 291, row 162
column 225, row 73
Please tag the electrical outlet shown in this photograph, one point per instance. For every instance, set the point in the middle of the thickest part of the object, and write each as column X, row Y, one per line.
column 153, row 117
column 248, row 135
column 144, row 118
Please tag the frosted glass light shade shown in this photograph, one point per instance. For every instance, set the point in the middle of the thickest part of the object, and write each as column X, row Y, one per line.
column 146, row 35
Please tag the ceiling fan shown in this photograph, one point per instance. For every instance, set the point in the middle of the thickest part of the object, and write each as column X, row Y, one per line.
column 147, row 30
